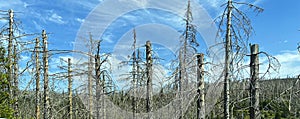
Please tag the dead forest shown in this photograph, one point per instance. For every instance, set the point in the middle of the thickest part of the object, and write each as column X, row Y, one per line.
column 83, row 87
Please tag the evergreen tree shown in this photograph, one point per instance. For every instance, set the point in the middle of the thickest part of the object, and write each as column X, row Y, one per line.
column 5, row 101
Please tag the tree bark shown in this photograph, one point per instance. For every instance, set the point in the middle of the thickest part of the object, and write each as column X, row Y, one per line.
column 149, row 72
column 228, row 60
column 103, row 97
column 37, row 79
column 16, row 82
column 200, row 91
column 134, row 73
column 254, row 86
column 9, row 52
column 70, row 109
column 47, row 114
column 90, row 82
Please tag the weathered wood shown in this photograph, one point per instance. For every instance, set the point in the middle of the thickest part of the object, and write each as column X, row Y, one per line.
column 134, row 73
column 9, row 52
column 90, row 82
column 37, row 79
column 47, row 114
column 254, row 85
column 228, row 60
column 70, row 81
column 103, row 97
column 16, row 82
column 200, row 90
column 149, row 72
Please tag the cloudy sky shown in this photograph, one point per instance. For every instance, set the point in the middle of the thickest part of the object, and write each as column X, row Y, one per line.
column 276, row 29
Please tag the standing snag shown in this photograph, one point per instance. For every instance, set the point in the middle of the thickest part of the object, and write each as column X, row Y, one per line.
column 254, row 85
column 149, row 72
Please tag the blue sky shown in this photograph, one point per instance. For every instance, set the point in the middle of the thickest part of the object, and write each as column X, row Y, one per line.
column 276, row 29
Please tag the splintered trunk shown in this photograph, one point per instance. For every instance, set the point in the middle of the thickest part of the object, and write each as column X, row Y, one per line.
column 9, row 51
column 70, row 108
column 37, row 79
column 227, row 60
column 47, row 114
column 149, row 77
column 16, row 82
column 254, row 86
column 200, row 91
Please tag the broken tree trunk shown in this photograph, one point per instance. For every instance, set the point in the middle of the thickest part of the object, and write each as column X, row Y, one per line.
column 9, row 52
column 254, row 86
column 70, row 108
column 149, row 72
column 47, row 114
column 200, row 90
column 16, row 82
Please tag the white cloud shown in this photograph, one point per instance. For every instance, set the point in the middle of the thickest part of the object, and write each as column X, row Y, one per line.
column 108, row 37
column 24, row 58
column 12, row 4
column 79, row 20
column 290, row 64
column 37, row 25
column 257, row 2
column 56, row 18
column 86, row 4
column 216, row 3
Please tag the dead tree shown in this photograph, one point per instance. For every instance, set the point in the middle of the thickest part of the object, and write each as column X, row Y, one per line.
column 227, row 60
column 16, row 81
column 237, row 32
column 90, row 78
column 200, row 90
column 149, row 72
column 98, row 83
column 9, row 51
column 47, row 114
column 37, row 78
column 70, row 107
column 254, row 85
column 187, row 50
column 134, row 75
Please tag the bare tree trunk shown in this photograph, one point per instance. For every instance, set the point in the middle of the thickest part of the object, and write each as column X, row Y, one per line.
column 200, row 77
column 180, row 78
column 47, row 114
column 37, row 77
column 134, row 76
column 227, row 61
column 76, row 105
column 149, row 72
column 103, row 97
column 290, row 99
column 16, row 82
column 9, row 52
column 70, row 109
column 254, row 86
column 97, row 70
column 90, row 82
